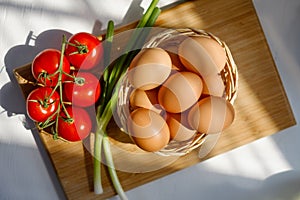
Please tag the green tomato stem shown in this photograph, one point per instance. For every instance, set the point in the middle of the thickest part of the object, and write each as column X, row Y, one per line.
column 64, row 42
column 60, row 73
column 81, row 48
column 59, row 86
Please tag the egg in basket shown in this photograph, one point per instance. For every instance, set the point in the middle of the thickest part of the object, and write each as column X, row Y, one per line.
column 177, row 90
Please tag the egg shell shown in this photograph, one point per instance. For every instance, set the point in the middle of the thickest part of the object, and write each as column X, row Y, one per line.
column 149, row 68
column 176, row 63
column 145, row 99
column 148, row 130
column 180, row 91
column 179, row 128
column 211, row 115
column 202, row 55
column 172, row 50
column 213, row 85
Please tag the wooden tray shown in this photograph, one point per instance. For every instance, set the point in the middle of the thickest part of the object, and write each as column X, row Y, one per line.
column 262, row 107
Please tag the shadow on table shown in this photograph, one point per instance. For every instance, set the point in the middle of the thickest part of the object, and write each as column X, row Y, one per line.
column 10, row 95
column 11, row 98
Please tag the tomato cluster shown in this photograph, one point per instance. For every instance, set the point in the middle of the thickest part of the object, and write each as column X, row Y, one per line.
column 67, row 87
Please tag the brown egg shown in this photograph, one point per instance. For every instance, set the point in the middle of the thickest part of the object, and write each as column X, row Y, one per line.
column 180, row 91
column 145, row 99
column 211, row 115
column 148, row 130
column 149, row 68
column 213, row 85
column 202, row 55
column 179, row 128
column 173, row 53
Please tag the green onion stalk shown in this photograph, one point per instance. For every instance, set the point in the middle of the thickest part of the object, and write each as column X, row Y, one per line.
column 108, row 101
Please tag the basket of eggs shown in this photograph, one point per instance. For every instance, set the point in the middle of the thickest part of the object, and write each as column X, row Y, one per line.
column 178, row 89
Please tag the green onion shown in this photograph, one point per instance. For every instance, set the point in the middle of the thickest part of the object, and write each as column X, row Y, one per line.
column 118, row 69
column 101, row 127
column 111, row 76
column 145, row 18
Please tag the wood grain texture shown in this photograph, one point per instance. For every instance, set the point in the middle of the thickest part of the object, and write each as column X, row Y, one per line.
column 262, row 107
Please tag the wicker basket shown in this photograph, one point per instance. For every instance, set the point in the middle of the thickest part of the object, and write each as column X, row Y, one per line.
column 170, row 36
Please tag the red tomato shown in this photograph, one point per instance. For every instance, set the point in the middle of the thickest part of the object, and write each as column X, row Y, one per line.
column 40, row 105
column 45, row 64
column 76, row 129
column 84, row 50
column 82, row 94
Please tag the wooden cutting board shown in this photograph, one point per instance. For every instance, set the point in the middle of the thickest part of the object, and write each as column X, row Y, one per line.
column 262, row 107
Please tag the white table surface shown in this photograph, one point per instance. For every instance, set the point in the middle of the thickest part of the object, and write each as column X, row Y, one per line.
column 268, row 168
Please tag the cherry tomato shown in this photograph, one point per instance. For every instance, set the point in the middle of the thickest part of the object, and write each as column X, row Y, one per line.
column 84, row 50
column 75, row 128
column 45, row 64
column 41, row 103
column 84, row 91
